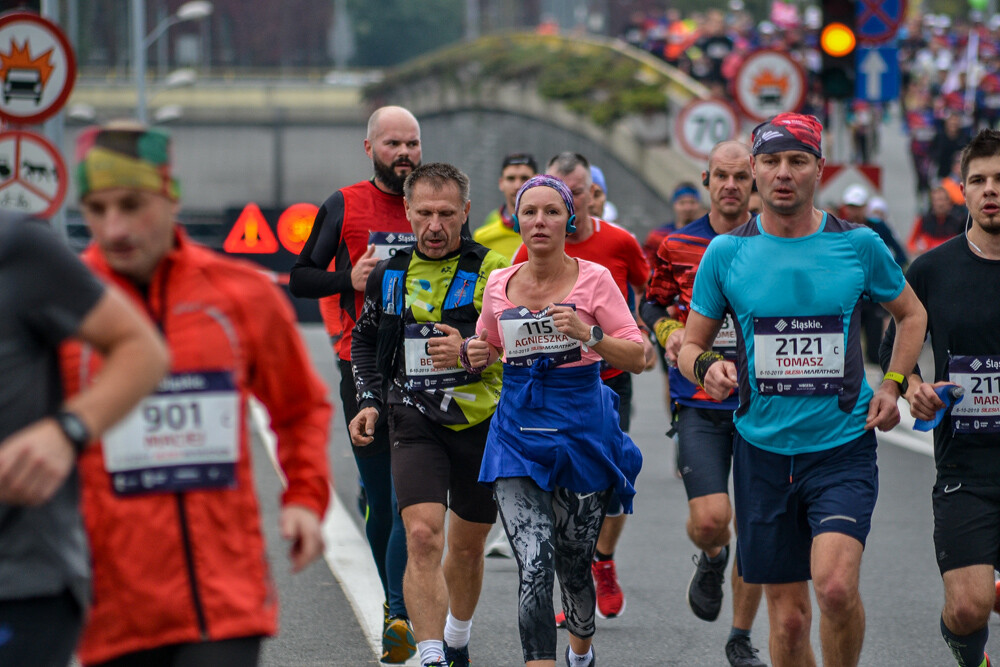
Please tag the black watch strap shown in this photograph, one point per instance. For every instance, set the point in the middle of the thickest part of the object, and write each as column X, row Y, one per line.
column 74, row 429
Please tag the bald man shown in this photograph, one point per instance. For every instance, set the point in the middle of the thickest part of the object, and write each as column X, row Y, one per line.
column 355, row 228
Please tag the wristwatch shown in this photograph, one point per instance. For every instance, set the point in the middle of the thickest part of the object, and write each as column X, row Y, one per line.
column 596, row 336
column 899, row 379
column 74, row 429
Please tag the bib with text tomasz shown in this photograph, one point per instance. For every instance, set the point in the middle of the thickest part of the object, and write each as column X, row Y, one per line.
column 799, row 356
column 979, row 375
column 420, row 371
column 183, row 437
column 386, row 243
column 529, row 337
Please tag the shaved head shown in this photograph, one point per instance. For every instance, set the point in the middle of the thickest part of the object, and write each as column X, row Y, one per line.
column 387, row 115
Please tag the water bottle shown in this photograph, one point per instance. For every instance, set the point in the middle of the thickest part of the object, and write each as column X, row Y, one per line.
column 950, row 394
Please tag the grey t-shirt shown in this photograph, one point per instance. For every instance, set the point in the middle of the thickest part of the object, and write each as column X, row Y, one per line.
column 45, row 293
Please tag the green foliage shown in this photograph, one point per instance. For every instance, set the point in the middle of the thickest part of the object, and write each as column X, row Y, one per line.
column 390, row 32
column 589, row 79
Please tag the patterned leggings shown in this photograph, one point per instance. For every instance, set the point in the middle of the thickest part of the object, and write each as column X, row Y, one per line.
column 551, row 533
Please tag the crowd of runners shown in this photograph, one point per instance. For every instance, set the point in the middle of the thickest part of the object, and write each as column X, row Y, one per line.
column 486, row 376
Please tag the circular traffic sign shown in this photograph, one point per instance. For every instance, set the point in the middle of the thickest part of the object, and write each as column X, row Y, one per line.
column 878, row 21
column 32, row 174
column 37, row 68
column 702, row 124
column 294, row 226
column 767, row 83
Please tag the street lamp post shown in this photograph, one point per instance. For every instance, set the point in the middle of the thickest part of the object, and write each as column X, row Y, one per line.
column 189, row 11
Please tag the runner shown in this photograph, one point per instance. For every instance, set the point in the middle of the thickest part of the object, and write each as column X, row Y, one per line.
column 496, row 232
column 705, row 426
column 555, row 453
column 804, row 468
column 959, row 283
column 47, row 296
column 180, row 571
column 617, row 250
column 438, row 414
column 355, row 228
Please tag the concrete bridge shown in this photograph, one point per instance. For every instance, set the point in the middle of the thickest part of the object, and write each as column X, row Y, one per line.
column 276, row 142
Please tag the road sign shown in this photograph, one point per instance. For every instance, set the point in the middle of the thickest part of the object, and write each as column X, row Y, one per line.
column 32, row 174
column 294, row 226
column 37, row 68
column 251, row 234
column 768, row 83
column 877, row 74
column 838, row 177
column 703, row 123
column 879, row 20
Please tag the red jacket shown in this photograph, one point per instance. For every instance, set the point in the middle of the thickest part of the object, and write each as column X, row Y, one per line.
column 186, row 566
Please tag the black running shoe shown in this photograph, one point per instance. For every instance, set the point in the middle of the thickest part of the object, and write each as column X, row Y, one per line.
column 704, row 594
column 741, row 653
column 456, row 657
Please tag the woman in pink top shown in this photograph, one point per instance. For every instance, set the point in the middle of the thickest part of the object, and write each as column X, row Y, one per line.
column 555, row 450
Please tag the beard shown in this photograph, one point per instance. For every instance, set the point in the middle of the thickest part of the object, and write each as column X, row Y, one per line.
column 387, row 173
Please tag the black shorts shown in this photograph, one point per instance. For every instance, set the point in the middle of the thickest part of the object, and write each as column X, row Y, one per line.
column 966, row 524
column 704, row 449
column 434, row 464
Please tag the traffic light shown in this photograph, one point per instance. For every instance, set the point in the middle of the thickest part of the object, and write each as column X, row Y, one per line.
column 837, row 41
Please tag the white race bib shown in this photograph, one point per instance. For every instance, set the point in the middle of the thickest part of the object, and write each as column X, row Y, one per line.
column 420, row 371
column 529, row 337
column 979, row 411
column 725, row 340
column 799, row 356
column 387, row 243
column 183, row 437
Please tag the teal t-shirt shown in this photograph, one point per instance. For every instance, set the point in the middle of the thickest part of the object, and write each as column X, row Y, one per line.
column 796, row 302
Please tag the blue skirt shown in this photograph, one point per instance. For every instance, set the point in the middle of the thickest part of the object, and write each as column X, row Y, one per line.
column 559, row 426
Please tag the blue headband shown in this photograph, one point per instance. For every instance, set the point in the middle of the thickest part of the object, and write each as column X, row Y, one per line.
column 685, row 191
column 548, row 181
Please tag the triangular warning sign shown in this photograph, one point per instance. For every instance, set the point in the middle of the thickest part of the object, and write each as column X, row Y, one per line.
column 251, row 234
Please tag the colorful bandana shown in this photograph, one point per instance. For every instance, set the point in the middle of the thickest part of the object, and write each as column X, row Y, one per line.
column 125, row 158
column 548, row 181
column 788, row 132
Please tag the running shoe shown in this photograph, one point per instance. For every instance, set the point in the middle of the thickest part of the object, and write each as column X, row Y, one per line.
column 398, row 644
column 704, row 594
column 456, row 657
column 561, row 619
column 500, row 547
column 741, row 653
column 610, row 599
column 593, row 658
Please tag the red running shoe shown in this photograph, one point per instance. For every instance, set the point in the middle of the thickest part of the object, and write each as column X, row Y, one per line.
column 610, row 599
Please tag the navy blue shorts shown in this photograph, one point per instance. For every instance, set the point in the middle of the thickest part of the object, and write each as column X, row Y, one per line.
column 782, row 502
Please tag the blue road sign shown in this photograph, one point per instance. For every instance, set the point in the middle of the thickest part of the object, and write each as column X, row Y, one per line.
column 879, row 20
column 877, row 73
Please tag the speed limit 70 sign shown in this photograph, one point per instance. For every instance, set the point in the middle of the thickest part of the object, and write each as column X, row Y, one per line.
column 702, row 124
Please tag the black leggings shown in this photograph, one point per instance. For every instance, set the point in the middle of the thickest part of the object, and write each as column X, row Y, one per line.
column 40, row 632
column 239, row 652
column 552, row 534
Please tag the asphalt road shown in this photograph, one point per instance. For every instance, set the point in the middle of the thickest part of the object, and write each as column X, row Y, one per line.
column 900, row 584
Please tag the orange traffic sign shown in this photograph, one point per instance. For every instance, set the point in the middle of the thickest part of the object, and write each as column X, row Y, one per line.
column 294, row 226
column 251, row 234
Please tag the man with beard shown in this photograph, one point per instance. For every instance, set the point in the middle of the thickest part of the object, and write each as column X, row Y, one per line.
column 959, row 284
column 355, row 228
column 419, row 304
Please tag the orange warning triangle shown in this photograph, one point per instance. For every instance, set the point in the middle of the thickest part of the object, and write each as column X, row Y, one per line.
column 251, row 234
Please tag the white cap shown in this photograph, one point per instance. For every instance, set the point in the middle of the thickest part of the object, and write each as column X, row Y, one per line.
column 855, row 195
column 878, row 206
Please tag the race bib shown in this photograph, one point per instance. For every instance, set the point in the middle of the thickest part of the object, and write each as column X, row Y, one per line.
column 420, row 371
column 183, row 437
column 979, row 376
column 725, row 340
column 799, row 356
column 529, row 337
column 387, row 243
